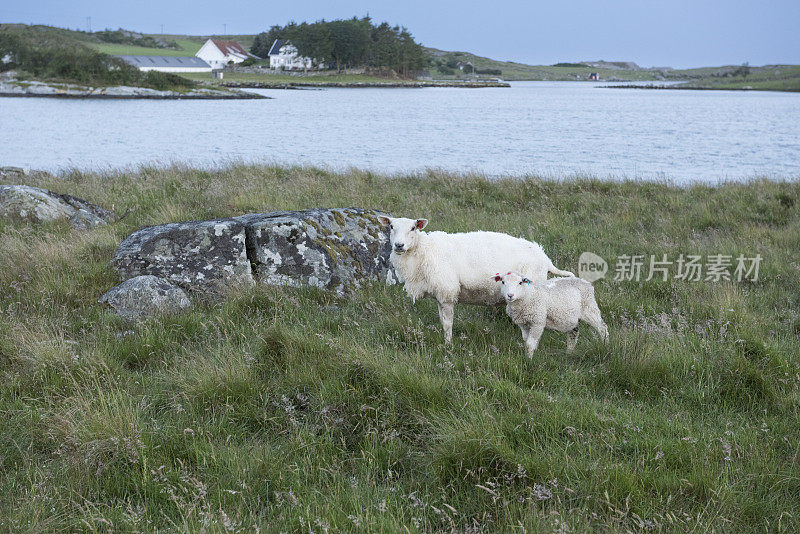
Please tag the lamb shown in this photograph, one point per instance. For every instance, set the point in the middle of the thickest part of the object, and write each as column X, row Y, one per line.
column 456, row 267
column 556, row 304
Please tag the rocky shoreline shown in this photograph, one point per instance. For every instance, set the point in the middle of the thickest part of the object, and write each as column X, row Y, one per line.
column 20, row 88
column 353, row 85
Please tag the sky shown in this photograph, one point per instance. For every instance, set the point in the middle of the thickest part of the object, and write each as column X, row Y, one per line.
column 651, row 33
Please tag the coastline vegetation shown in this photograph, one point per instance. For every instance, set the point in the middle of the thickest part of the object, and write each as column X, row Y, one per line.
column 300, row 410
column 46, row 54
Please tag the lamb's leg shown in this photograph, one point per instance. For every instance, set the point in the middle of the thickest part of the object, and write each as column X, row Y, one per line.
column 446, row 310
column 524, row 329
column 534, row 335
column 593, row 318
column 572, row 339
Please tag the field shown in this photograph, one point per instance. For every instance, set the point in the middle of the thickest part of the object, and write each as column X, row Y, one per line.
column 768, row 78
column 280, row 79
column 300, row 410
column 187, row 48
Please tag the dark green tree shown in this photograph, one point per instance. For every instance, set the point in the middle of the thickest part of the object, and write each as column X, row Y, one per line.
column 263, row 41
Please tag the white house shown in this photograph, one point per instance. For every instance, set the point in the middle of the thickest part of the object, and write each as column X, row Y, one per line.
column 220, row 54
column 167, row 63
column 283, row 55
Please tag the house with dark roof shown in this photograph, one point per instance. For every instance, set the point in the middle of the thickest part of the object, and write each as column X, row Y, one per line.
column 219, row 54
column 283, row 55
column 167, row 63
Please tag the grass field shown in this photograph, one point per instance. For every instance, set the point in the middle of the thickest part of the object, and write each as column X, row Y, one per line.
column 312, row 79
column 299, row 410
column 768, row 78
column 187, row 48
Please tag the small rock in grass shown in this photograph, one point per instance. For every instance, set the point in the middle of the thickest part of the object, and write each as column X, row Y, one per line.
column 145, row 295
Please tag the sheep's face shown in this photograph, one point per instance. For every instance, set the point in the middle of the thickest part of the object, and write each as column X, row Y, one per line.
column 512, row 285
column 403, row 233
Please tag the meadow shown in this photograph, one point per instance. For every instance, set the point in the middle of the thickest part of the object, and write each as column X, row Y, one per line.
column 288, row 410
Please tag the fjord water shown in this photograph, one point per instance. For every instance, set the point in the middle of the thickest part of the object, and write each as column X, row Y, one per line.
column 559, row 129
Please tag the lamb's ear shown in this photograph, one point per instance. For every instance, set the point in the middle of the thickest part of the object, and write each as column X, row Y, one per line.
column 385, row 221
column 496, row 277
column 422, row 223
column 526, row 280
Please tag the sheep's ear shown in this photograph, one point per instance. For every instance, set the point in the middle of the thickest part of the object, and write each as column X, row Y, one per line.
column 526, row 281
column 422, row 223
column 384, row 220
column 496, row 277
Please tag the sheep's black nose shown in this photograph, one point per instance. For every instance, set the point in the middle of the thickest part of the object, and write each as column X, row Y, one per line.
column 398, row 246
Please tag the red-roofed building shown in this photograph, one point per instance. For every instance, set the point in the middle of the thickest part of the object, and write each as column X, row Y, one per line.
column 219, row 54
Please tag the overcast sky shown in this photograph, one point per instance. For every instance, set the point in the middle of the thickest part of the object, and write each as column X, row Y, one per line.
column 652, row 33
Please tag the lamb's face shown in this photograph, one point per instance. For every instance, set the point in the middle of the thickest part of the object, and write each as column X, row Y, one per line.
column 512, row 285
column 403, row 233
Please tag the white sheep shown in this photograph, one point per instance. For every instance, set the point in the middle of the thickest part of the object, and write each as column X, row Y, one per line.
column 456, row 267
column 556, row 304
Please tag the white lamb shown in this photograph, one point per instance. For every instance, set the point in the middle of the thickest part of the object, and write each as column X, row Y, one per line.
column 556, row 304
column 456, row 267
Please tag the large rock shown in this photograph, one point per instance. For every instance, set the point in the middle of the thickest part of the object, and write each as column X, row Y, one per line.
column 32, row 204
column 196, row 255
column 146, row 295
column 330, row 249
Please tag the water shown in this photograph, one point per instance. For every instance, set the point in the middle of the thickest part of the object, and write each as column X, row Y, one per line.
column 558, row 129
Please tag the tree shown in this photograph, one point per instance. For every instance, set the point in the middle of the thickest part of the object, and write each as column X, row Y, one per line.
column 350, row 41
column 263, row 41
column 312, row 41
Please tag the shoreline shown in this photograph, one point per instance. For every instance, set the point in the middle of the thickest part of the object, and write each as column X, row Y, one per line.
column 698, row 88
column 38, row 89
column 359, row 85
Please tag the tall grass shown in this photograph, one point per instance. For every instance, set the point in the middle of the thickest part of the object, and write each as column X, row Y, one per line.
column 300, row 410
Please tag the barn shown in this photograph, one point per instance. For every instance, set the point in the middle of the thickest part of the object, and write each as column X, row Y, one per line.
column 220, row 54
column 167, row 63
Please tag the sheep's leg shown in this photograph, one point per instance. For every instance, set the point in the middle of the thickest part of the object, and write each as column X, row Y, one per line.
column 524, row 332
column 572, row 339
column 446, row 310
column 595, row 320
column 534, row 335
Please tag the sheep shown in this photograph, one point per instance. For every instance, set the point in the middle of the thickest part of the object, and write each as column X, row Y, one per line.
column 455, row 267
column 556, row 304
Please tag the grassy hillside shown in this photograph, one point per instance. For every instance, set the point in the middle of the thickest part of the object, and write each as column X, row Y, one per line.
column 57, row 55
column 186, row 47
column 769, row 77
column 299, row 410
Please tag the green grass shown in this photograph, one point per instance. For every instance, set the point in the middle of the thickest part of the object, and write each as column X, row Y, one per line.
column 768, row 78
column 187, row 48
column 301, row 410
column 282, row 79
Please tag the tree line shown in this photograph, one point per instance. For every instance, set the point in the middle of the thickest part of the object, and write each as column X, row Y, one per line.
column 348, row 43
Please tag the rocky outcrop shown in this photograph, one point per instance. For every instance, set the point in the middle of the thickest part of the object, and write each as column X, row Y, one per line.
column 196, row 255
column 23, row 203
column 330, row 249
column 13, row 87
column 326, row 248
column 144, row 296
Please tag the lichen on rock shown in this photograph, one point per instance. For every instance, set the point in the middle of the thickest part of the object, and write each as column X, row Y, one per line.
column 326, row 248
column 146, row 295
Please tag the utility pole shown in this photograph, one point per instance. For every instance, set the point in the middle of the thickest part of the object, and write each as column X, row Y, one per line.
column 162, row 29
column 224, row 29
column 89, row 23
